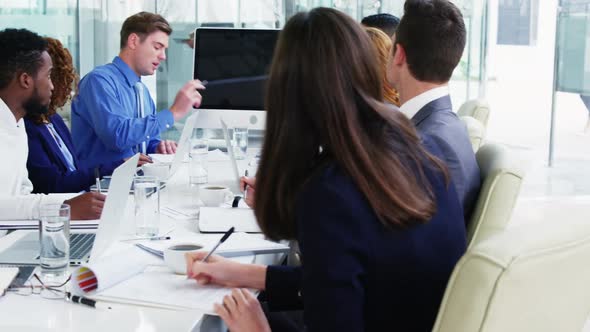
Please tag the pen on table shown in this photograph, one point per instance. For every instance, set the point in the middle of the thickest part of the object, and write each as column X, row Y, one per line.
column 245, row 186
column 85, row 301
column 154, row 238
column 97, row 176
column 225, row 236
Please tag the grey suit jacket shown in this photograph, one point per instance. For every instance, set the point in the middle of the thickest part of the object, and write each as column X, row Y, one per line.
column 437, row 120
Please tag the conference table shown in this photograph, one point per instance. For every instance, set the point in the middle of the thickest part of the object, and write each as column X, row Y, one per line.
column 35, row 313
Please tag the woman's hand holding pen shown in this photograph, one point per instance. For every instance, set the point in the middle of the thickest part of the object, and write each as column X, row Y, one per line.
column 224, row 272
column 248, row 185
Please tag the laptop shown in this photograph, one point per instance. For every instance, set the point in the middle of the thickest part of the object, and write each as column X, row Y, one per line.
column 181, row 151
column 84, row 246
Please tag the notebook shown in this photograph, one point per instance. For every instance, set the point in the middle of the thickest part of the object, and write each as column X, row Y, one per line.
column 25, row 251
column 220, row 219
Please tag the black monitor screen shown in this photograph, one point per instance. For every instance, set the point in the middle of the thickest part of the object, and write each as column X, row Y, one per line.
column 235, row 63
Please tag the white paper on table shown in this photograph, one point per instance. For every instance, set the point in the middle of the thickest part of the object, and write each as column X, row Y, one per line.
column 220, row 219
column 180, row 213
column 114, row 268
column 238, row 244
column 166, row 158
column 157, row 286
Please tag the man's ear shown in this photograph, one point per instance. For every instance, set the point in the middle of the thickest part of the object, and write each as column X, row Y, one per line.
column 133, row 41
column 25, row 80
column 399, row 55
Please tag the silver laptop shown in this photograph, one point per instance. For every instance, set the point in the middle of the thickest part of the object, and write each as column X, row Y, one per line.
column 83, row 245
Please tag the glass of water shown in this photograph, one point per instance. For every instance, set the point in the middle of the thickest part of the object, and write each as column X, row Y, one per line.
column 54, row 236
column 240, row 142
column 146, row 192
column 199, row 148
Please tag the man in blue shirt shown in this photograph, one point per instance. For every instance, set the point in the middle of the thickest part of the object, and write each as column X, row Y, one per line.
column 113, row 115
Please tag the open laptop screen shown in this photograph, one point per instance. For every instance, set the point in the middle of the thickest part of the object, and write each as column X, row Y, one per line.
column 235, row 63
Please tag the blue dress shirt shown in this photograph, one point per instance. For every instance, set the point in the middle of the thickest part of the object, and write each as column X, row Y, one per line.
column 105, row 122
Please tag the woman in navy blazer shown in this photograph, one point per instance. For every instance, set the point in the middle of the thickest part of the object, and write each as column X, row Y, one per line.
column 378, row 221
column 49, row 169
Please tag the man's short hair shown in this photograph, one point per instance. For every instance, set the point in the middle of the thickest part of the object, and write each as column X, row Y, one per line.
column 143, row 24
column 384, row 22
column 432, row 33
column 21, row 51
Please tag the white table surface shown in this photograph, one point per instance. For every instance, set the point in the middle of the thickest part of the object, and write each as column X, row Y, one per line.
column 34, row 313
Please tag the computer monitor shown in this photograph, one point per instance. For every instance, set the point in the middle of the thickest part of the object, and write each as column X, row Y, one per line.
column 235, row 63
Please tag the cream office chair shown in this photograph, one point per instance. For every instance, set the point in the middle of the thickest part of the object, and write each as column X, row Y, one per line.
column 532, row 278
column 476, row 131
column 501, row 181
column 479, row 109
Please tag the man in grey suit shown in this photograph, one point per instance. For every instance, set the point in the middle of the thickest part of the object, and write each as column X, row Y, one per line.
column 428, row 45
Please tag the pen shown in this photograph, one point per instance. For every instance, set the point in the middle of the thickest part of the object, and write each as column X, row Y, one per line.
column 97, row 176
column 246, row 186
column 84, row 301
column 225, row 236
column 154, row 238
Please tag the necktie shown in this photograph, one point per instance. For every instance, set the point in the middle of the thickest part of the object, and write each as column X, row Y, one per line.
column 140, row 111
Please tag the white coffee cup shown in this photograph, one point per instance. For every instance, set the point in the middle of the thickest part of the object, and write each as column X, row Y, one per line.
column 215, row 195
column 174, row 256
column 159, row 170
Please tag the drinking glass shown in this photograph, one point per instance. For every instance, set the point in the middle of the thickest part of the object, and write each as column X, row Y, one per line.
column 146, row 191
column 240, row 142
column 198, row 174
column 54, row 237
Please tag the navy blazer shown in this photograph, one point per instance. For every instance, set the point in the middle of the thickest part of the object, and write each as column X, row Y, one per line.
column 359, row 275
column 437, row 120
column 46, row 163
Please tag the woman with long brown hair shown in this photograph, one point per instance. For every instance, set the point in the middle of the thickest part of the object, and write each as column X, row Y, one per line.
column 379, row 225
column 52, row 163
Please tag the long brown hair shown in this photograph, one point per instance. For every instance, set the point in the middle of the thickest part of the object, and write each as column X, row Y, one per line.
column 63, row 76
column 384, row 49
column 323, row 100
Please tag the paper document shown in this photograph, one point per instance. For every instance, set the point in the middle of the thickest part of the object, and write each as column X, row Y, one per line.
column 110, row 270
column 239, row 244
column 220, row 219
column 158, row 287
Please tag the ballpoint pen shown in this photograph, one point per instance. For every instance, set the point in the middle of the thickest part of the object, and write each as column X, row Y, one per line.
column 225, row 236
column 85, row 301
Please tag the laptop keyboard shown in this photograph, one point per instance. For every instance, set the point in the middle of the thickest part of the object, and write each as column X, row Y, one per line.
column 80, row 245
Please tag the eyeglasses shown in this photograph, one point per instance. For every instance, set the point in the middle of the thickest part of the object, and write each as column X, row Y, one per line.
column 52, row 292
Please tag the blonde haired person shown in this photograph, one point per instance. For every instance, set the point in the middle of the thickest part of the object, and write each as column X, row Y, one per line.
column 383, row 46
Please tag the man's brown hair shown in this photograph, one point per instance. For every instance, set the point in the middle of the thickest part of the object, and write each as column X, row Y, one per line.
column 143, row 24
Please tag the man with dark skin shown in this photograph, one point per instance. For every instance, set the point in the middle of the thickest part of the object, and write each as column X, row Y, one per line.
column 25, row 88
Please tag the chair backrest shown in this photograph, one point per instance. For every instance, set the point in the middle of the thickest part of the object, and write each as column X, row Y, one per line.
column 502, row 179
column 529, row 278
column 475, row 130
column 476, row 108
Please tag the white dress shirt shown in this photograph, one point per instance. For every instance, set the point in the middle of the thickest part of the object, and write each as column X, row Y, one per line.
column 16, row 200
column 412, row 106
